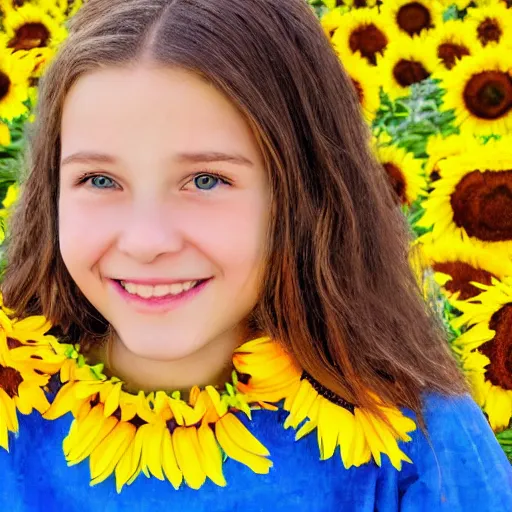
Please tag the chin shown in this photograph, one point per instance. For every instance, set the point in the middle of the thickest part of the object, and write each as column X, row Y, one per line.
column 148, row 349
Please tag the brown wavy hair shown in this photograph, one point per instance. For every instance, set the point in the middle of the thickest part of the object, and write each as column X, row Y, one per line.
column 338, row 292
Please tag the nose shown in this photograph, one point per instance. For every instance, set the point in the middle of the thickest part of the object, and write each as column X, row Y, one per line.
column 148, row 231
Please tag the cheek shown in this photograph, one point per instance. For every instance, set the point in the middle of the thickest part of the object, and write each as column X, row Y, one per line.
column 238, row 243
column 82, row 237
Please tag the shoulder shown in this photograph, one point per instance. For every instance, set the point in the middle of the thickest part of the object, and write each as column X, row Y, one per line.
column 458, row 465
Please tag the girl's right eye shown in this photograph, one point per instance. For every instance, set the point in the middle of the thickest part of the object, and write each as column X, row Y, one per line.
column 99, row 181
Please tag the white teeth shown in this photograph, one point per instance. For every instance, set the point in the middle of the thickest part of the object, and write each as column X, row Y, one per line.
column 160, row 290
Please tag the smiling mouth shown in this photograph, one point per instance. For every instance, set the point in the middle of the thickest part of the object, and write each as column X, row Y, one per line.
column 146, row 291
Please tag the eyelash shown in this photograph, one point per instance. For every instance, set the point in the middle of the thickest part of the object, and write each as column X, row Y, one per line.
column 86, row 177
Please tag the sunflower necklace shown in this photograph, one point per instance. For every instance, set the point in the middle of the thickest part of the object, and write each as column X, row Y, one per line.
column 155, row 433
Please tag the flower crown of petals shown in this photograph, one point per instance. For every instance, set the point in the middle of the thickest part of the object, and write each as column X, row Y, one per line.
column 124, row 434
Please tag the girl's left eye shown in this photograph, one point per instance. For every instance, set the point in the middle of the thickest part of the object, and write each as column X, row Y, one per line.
column 208, row 181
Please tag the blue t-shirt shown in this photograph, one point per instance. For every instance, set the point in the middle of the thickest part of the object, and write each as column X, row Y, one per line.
column 462, row 468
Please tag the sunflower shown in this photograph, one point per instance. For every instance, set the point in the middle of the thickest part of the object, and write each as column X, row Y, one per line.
column 471, row 202
column 411, row 17
column 362, row 31
column 479, row 89
column 366, row 84
column 14, row 76
column 31, row 27
column 490, row 24
column 457, row 265
column 22, row 381
column 407, row 61
column 486, row 346
column 404, row 173
column 452, row 40
column 359, row 434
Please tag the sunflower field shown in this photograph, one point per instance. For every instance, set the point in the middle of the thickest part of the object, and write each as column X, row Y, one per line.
column 434, row 81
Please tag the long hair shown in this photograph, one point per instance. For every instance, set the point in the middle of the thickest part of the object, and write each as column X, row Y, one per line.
column 339, row 292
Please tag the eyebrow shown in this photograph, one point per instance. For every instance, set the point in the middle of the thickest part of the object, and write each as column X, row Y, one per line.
column 208, row 156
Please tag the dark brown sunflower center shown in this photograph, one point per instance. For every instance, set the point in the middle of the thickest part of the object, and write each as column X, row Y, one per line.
column 10, row 380
column 449, row 53
column 462, row 274
column 482, row 205
column 488, row 95
column 30, row 35
column 413, row 18
column 327, row 393
column 489, row 31
column 397, row 181
column 499, row 349
column 359, row 90
column 368, row 40
column 5, row 84
column 408, row 72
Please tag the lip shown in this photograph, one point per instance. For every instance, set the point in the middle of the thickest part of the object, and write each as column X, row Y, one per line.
column 157, row 305
column 157, row 281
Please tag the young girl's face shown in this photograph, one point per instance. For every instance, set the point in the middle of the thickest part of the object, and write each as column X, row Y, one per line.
column 163, row 207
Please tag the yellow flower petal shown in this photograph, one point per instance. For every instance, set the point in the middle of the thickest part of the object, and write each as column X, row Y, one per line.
column 184, row 441
column 257, row 463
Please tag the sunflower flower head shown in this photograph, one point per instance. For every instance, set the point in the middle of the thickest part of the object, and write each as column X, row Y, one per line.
column 457, row 266
column 412, row 17
column 490, row 24
column 407, row 61
column 479, row 90
column 470, row 200
column 485, row 347
column 363, row 32
column 31, row 27
column 452, row 41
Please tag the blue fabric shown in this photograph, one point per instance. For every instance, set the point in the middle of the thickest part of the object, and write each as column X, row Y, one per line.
column 463, row 469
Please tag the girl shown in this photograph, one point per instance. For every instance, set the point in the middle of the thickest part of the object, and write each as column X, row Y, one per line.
column 224, row 273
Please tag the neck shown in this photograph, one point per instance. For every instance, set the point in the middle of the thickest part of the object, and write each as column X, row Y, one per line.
column 212, row 364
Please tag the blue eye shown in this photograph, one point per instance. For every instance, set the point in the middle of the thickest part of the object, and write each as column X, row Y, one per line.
column 102, row 182
column 206, row 181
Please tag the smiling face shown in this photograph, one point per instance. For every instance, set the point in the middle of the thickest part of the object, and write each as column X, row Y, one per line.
column 163, row 207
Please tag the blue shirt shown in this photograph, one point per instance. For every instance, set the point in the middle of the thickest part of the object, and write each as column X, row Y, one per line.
column 463, row 469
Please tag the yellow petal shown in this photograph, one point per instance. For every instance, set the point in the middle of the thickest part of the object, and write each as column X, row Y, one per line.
column 105, row 457
column 359, row 452
column 62, row 403
column 126, row 468
column 112, row 401
column 88, row 435
column 8, row 415
column 219, row 405
column 4, row 436
column 327, row 430
column 237, row 430
column 169, row 464
column 152, row 450
column 184, row 441
column 31, row 397
column 211, row 456
column 258, row 464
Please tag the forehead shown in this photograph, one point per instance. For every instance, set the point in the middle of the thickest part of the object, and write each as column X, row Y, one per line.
column 151, row 107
